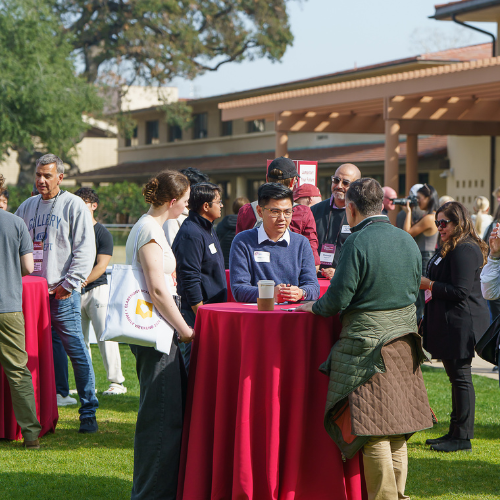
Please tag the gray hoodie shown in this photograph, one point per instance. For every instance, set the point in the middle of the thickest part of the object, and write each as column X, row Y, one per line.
column 69, row 248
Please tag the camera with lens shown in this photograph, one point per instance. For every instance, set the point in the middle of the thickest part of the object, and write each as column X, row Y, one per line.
column 404, row 201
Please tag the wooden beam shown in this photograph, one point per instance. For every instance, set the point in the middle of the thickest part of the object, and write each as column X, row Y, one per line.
column 452, row 108
column 332, row 122
column 411, row 161
column 391, row 164
column 281, row 139
column 445, row 127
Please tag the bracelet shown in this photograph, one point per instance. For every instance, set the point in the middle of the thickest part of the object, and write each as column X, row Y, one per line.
column 431, row 285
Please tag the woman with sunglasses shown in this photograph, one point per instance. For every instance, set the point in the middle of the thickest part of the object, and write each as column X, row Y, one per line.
column 455, row 316
column 423, row 231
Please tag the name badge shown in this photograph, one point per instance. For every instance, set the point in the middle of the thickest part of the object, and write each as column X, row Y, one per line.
column 212, row 248
column 346, row 228
column 438, row 260
column 428, row 296
column 261, row 256
column 38, row 255
column 327, row 254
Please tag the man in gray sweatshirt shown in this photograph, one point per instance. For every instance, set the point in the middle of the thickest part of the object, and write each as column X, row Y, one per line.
column 64, row 252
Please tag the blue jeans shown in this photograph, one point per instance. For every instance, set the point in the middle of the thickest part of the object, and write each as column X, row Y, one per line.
column 67, row 337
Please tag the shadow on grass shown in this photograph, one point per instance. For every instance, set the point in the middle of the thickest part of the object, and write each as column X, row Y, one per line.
column 23, row 485
column 434, row 477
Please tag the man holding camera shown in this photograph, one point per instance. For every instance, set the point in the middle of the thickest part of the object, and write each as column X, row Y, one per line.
column 376, row 394
column 331, row 222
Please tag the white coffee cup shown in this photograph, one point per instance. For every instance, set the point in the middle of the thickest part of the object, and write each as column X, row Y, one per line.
column 266, row 289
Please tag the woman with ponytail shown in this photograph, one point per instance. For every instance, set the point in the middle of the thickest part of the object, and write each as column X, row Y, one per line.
column 162, row 377
column 455, row 316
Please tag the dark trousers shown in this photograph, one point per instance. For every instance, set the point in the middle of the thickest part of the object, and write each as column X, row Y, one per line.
column 190, row 318
column 426, row 257
column 463, row 397
column 157, row 443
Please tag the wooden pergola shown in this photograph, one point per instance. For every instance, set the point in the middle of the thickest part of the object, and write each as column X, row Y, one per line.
column 453, row 99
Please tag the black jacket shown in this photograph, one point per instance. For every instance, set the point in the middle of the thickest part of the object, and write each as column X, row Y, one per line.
column 226, row 231
column 200, row 263
column 329, row 223
column 457, row 316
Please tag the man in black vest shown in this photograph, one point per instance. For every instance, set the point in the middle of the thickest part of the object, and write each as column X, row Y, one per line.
column 331, row 221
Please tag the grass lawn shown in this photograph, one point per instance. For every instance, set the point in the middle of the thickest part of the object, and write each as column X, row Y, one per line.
column 99, row 466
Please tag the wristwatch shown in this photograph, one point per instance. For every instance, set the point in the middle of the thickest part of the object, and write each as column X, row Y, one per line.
column 303, row 294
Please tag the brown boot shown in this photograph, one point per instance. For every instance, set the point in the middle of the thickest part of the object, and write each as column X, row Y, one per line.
column 32, row 445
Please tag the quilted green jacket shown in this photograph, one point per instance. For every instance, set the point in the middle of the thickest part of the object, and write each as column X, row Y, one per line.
column 356, row 357
column 375, row 287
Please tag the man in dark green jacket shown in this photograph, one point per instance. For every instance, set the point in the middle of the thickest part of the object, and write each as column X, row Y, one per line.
column 376, row 394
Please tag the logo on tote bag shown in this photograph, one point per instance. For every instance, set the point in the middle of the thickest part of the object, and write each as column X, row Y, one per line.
column 140, row 316
column 144, row 309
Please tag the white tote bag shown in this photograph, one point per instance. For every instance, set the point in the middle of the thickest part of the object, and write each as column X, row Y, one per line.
column 131, row 316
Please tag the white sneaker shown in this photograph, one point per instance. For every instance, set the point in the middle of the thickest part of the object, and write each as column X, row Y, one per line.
column 115, row 388
column 65, row 401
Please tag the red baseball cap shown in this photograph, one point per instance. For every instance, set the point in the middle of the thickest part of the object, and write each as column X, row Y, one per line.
column 306, row 190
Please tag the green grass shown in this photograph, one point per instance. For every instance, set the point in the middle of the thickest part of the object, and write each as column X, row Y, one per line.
column 99, row 466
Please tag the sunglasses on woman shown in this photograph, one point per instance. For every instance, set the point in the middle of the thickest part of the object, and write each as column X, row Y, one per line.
column 441, row 223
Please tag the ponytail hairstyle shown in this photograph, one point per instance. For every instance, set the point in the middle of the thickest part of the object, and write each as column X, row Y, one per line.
column 166, row 186
column 459, row 215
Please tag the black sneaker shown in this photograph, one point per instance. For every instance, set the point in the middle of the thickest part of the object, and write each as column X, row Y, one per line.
column 88, row 425
column 438, row 440
column 453, row 445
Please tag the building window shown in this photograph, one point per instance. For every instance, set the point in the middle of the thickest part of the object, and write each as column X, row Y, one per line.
column 227, row 128
column 256, row 126
column 174, row 133
column 200, row 123
column 152, row 132
column 132, row 141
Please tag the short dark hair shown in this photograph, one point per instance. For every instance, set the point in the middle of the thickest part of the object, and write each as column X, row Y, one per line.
column 273, row 191
column 88, row 195
column 195, row 176
column 367, row 195
column 202, row 192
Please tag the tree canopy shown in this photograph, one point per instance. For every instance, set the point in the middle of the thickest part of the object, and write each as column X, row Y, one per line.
column 157, row 40
column 41, row 98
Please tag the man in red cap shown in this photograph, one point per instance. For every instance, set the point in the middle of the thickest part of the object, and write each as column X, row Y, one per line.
column 307, row 195
column 283, row 171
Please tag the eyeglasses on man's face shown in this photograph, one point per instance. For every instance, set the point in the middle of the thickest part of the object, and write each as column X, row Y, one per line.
column 337, row 180
column 441, row 223
column 219, row 202
column 276, row 212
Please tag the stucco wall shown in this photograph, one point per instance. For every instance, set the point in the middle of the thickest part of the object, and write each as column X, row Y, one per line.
column 470, row 161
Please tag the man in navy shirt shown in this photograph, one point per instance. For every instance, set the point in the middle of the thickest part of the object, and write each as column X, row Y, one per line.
column 201, row 277
column 272, row 252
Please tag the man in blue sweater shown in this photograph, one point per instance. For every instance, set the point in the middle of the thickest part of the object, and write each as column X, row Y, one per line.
column 272, row 252
column 201, row 276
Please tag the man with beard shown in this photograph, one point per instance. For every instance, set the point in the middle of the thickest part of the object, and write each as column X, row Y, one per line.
column 331, row 222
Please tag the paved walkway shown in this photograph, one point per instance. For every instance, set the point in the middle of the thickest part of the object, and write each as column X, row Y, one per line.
column 479, row 367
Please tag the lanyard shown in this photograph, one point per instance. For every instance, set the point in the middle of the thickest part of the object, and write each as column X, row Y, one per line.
column 50, row 215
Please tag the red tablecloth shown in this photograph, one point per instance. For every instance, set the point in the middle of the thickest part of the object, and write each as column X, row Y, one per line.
column 40, row 362
column 323, row 286
column 254, row 417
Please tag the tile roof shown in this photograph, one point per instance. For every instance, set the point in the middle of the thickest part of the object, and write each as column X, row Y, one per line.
column 428, row 147
column 469, row 53
column 458, row 67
